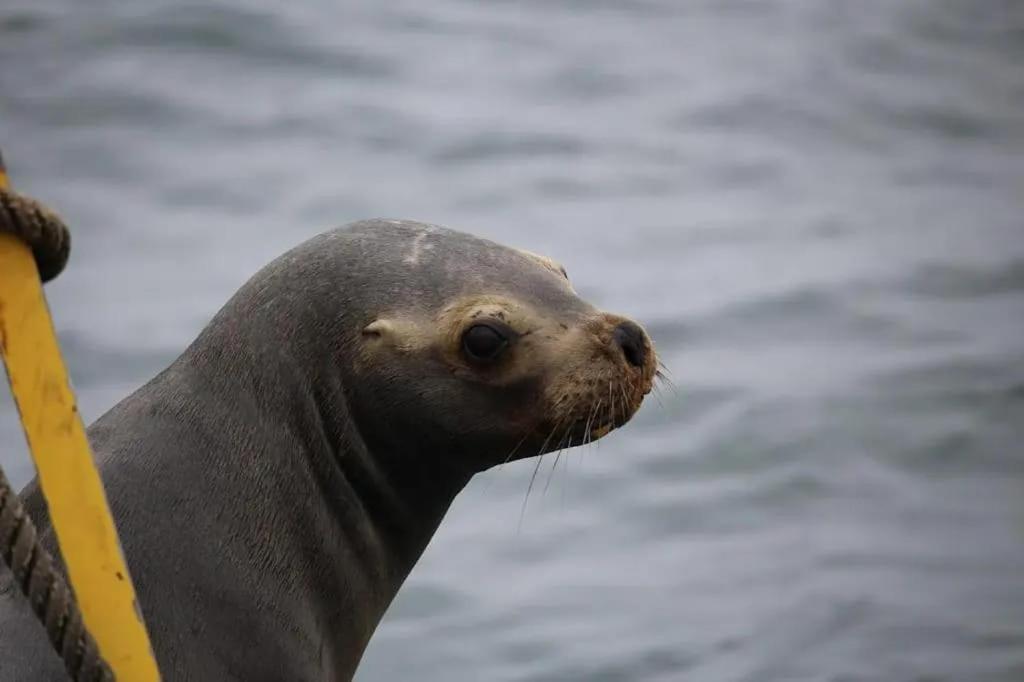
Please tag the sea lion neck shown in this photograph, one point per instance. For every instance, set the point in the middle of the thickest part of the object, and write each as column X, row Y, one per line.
column 283, row 350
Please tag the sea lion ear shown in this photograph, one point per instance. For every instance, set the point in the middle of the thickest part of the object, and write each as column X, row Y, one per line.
column 380, row 329
column 396, row 333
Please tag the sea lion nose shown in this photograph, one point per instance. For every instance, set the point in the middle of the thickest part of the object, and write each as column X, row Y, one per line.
column 631, row 339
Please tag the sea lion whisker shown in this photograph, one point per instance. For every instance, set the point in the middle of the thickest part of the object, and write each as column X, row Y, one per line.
column 533, row 477
column 607, row 405
column 558, row 453
column 560, row 445
column 588, row 436
column 618, row 407
column 566, row 419
column 625, row 399
column 508, row 457
column 565, row 468
column 664, row 378
column 657, row 396
column 551, row 473
column 590, row 418
column 559, row 448
column 563, row 445
column 514, row 450
column 536, row 468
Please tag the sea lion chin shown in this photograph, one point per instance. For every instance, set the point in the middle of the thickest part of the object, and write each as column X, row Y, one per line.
column 275, row 485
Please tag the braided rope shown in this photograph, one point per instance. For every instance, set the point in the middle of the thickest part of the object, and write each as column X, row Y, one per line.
column 40, row 228
column 48, row 593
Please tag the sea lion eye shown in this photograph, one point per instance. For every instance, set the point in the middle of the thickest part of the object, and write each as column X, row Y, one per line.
column 482, row 342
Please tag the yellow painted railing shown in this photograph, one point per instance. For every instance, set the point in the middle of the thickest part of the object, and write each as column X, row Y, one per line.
column 67, row 474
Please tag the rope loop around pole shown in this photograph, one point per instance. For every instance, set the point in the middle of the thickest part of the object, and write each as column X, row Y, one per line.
column 40, row 228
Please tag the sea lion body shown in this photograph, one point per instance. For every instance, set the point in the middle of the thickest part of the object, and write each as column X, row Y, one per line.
column 275, row 485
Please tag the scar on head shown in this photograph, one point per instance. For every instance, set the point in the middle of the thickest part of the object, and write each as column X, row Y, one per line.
column 417, row 248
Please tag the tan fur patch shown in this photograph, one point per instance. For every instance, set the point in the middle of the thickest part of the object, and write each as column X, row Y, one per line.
column 527, row 355
column 589, row 388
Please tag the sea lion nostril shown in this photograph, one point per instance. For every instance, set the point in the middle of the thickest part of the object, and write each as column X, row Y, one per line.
column 630, row 338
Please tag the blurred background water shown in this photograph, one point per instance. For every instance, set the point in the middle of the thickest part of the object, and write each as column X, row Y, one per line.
column 817, row 209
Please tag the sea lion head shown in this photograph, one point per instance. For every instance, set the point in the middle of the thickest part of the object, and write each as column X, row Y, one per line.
column 480, row 351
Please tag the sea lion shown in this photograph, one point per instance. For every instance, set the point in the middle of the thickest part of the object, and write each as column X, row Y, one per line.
column 276, row 484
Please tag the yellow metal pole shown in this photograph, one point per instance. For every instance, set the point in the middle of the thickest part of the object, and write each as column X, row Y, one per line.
column 67, row 474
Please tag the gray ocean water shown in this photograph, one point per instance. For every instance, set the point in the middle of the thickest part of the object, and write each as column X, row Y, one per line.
column 816, row 207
